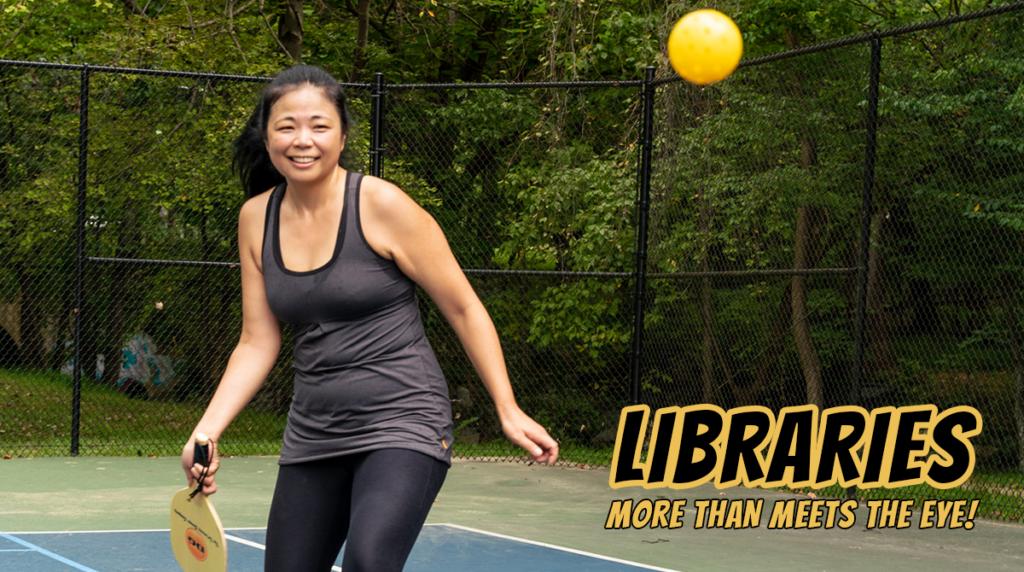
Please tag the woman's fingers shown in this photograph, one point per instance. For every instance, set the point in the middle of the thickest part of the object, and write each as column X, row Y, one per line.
column 549, row 446
column 195, row 470
column 529, row 435
column 543, row 446
column 209, row 483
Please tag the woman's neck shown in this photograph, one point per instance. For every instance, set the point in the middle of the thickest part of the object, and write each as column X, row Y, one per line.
column 311, row 197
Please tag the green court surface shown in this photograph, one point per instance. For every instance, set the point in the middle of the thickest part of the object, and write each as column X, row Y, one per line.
column 560, row 506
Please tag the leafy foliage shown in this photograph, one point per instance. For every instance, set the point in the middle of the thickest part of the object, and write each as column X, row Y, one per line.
column 546, row 180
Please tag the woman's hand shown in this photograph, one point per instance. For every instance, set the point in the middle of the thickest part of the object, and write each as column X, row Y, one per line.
column 194, row 470
column 529, row 435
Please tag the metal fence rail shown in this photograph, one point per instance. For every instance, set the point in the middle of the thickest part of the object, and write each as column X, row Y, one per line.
column 837, row 224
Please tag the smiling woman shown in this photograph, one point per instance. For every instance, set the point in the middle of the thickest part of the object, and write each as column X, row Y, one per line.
column 338, row 256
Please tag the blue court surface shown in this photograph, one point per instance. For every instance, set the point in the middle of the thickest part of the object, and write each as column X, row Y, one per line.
column 440, row 547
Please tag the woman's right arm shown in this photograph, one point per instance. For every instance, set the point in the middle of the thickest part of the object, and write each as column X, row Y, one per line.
column 257, row 350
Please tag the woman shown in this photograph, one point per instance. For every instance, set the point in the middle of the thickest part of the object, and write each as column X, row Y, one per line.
column 338, row 256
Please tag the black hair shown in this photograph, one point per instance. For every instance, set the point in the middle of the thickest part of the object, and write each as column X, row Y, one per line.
column 251, row 162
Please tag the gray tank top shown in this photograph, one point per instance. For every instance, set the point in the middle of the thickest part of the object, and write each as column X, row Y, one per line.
column 365, row 375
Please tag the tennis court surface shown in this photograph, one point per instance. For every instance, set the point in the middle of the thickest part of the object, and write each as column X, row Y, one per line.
column 439, row 547
column 112, row 515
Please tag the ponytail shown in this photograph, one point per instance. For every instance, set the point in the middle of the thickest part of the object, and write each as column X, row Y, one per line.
column 251, row 161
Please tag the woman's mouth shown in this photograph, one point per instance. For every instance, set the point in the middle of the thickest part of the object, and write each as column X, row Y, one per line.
column 302, row 161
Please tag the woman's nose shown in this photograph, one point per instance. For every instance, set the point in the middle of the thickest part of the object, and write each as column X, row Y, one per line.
column 303, row 137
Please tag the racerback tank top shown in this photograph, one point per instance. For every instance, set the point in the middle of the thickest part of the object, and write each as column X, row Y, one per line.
column 365, row 375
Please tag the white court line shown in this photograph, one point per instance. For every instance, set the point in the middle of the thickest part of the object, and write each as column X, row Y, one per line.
column 120, row 531
column 260, row 546
column 91, row 531
column 338, row 568
column 245, row 542
column 45, row 552
column 554, row 546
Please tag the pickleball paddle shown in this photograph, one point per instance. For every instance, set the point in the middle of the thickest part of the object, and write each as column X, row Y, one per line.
column 197, row 536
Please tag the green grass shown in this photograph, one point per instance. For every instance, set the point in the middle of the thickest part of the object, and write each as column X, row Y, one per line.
column 504, row 449
column 35, row 420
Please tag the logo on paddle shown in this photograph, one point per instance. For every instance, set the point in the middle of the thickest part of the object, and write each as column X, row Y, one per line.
column 195, row 544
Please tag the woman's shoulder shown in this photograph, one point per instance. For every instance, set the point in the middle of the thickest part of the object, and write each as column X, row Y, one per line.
column 383, row 196
column 389, row 216
column 251, row 221
column 254, row 209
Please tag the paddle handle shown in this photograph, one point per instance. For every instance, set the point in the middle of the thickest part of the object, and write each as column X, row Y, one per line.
column 202, row 450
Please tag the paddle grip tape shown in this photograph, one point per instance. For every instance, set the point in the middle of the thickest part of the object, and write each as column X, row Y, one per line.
column 201, row 455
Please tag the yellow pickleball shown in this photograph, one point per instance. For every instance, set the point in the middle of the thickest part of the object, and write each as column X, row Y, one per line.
column 705, row 46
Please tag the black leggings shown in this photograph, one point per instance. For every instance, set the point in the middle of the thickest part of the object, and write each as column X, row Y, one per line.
column 377, row 501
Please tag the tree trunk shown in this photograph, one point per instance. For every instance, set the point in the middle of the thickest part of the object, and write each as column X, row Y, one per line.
column 775, row 342
column 801, row 327
column 211, row 371
column 922, row 316
column 121, row 276
column 90, row 331
column 225, row 344
column 806, row 241
column 219, row 350
column 1018, row 367
column 443, row 157
column 289, row 29
column 362, row 32
column 4, row 170
column 707, row 367
column 114, row 325
column 879, row 354
column 480, row 51
column 66, row 325
column 32, row 352
column 446, row 68
column 775, row 333
column 926, row 315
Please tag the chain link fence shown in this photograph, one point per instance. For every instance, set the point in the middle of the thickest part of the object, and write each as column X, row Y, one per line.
column 836, row 224
column 771, row 283
column 534, row 188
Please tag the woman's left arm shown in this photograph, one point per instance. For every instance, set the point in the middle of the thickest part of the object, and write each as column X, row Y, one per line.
column 402, row 231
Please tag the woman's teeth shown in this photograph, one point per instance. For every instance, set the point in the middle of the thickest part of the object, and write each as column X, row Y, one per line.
column 303, row 159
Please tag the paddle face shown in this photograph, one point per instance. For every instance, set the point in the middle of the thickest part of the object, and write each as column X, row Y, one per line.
column 197, row 535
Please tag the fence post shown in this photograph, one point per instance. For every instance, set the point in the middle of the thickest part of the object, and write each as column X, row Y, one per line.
column 871, row 124
column 377, row 125
column 83, row 148
column 865, row 216
column 640, row 252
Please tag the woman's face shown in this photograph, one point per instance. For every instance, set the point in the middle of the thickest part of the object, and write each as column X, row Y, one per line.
column 304, row 135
